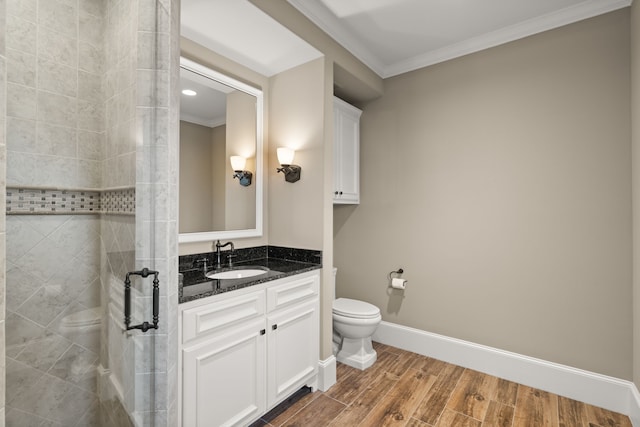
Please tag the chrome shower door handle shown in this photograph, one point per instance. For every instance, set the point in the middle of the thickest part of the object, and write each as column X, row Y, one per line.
column 144, row 326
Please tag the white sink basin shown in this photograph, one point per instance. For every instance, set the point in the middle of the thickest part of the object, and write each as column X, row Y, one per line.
column 236, row 274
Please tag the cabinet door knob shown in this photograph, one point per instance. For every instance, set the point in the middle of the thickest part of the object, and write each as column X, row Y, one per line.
column 263, row 331
column 335, row 192
column 274, row 327
column 341, row 193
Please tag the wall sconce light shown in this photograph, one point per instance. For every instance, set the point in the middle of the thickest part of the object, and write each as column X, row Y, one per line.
column 285, row 158
column 237, row 164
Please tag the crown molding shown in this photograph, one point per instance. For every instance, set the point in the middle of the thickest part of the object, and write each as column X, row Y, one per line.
column 326, row 21
column 569, row 15
column 210, row 123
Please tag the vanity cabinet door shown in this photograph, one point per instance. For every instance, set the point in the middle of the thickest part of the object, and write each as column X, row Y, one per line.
column 224, row 378
column 292, row 349
column 346, row 154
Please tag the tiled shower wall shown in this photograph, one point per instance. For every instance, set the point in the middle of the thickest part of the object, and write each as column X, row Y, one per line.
column 88, row 84
column 119, row 169
column 55, row 107
column 157, row 111
column 59, row 86
column 53, row 273
column 55, row 138
column 3, row 162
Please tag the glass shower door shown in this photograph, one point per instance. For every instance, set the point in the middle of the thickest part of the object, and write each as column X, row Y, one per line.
column 143, row 299
column 91, row 160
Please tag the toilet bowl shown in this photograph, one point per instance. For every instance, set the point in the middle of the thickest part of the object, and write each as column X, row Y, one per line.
column 354, row 322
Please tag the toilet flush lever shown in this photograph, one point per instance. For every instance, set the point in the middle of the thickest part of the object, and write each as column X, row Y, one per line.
column 144, row 326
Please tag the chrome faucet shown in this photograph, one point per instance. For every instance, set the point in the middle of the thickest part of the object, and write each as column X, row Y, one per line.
column 219, row 245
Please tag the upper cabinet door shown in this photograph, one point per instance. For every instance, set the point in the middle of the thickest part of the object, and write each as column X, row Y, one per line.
column 346, row 153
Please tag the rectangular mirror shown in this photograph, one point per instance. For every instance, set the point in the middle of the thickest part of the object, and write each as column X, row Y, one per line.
column 220, row 117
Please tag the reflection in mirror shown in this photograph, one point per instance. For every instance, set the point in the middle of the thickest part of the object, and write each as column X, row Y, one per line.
column 219, row 118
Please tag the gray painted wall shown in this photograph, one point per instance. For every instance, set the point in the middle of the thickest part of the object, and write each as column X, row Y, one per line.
column 501, row 183
column 635, row 131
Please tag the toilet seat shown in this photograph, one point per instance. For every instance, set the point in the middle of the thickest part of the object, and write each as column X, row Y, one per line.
column 355, row 309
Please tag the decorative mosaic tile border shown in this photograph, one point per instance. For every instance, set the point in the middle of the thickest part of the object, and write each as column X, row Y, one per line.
column 119, row 201
column 42, row 201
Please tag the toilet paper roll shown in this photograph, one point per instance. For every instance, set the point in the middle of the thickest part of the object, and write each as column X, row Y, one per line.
column 397, row 283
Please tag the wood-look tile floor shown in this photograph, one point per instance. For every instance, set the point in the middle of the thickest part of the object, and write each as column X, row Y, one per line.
column 407, row 389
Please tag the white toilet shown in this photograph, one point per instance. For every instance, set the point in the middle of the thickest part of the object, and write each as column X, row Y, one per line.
column 353, row 324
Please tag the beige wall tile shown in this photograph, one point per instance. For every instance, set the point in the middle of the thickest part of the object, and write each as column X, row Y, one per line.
column 21, row 35
column 92, row 58
column 57, row 78
column 21, row 68
column 57, row 47
column 90, row 145
column 59, row 15
column 91, row 29
column 21, row 135
column 57, row 109
column 21, row 101
column 90, row 87
column 90, row 115
column 25, row 9
column 93, row 7
column 56, row 140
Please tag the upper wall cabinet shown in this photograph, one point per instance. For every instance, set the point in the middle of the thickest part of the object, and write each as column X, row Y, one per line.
column 346, row 153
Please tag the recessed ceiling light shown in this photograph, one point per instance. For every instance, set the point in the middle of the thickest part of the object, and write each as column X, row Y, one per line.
column 189, row 92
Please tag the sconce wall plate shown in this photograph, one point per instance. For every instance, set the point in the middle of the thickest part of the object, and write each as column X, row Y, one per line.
column 244, row 177
column 291, row 172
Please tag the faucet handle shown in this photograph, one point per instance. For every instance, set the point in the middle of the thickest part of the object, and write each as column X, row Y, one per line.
column 230, row 256
column 202, row 261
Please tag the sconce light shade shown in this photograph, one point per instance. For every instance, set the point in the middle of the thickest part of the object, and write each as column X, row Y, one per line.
column 237, row 164
column 285, row 155
column 285, row 158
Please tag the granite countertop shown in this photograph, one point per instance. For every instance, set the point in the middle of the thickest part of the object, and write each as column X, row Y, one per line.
column 195, row 285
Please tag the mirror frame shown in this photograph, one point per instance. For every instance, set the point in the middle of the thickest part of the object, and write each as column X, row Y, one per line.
column 205, row 236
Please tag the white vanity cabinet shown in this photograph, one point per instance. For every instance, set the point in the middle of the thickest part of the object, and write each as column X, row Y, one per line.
column 245, row 351
column 346, row 153
column 294, row 335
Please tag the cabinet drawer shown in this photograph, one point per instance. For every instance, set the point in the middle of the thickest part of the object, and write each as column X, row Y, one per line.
column 217, row 316
column 292, row 292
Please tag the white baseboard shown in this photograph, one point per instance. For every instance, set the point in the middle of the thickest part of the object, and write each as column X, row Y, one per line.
column 326, row 373
column 634, row 406
column 595, row 389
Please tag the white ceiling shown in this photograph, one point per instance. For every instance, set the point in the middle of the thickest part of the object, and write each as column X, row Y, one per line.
column 209, row 106
column 390, row 36
column 396, row 36
column 245, row 34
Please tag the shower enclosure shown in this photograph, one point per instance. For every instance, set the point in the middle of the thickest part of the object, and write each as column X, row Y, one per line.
column 91, row 139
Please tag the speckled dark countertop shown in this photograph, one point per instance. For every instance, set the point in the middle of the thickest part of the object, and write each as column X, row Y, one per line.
column 281, row 262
